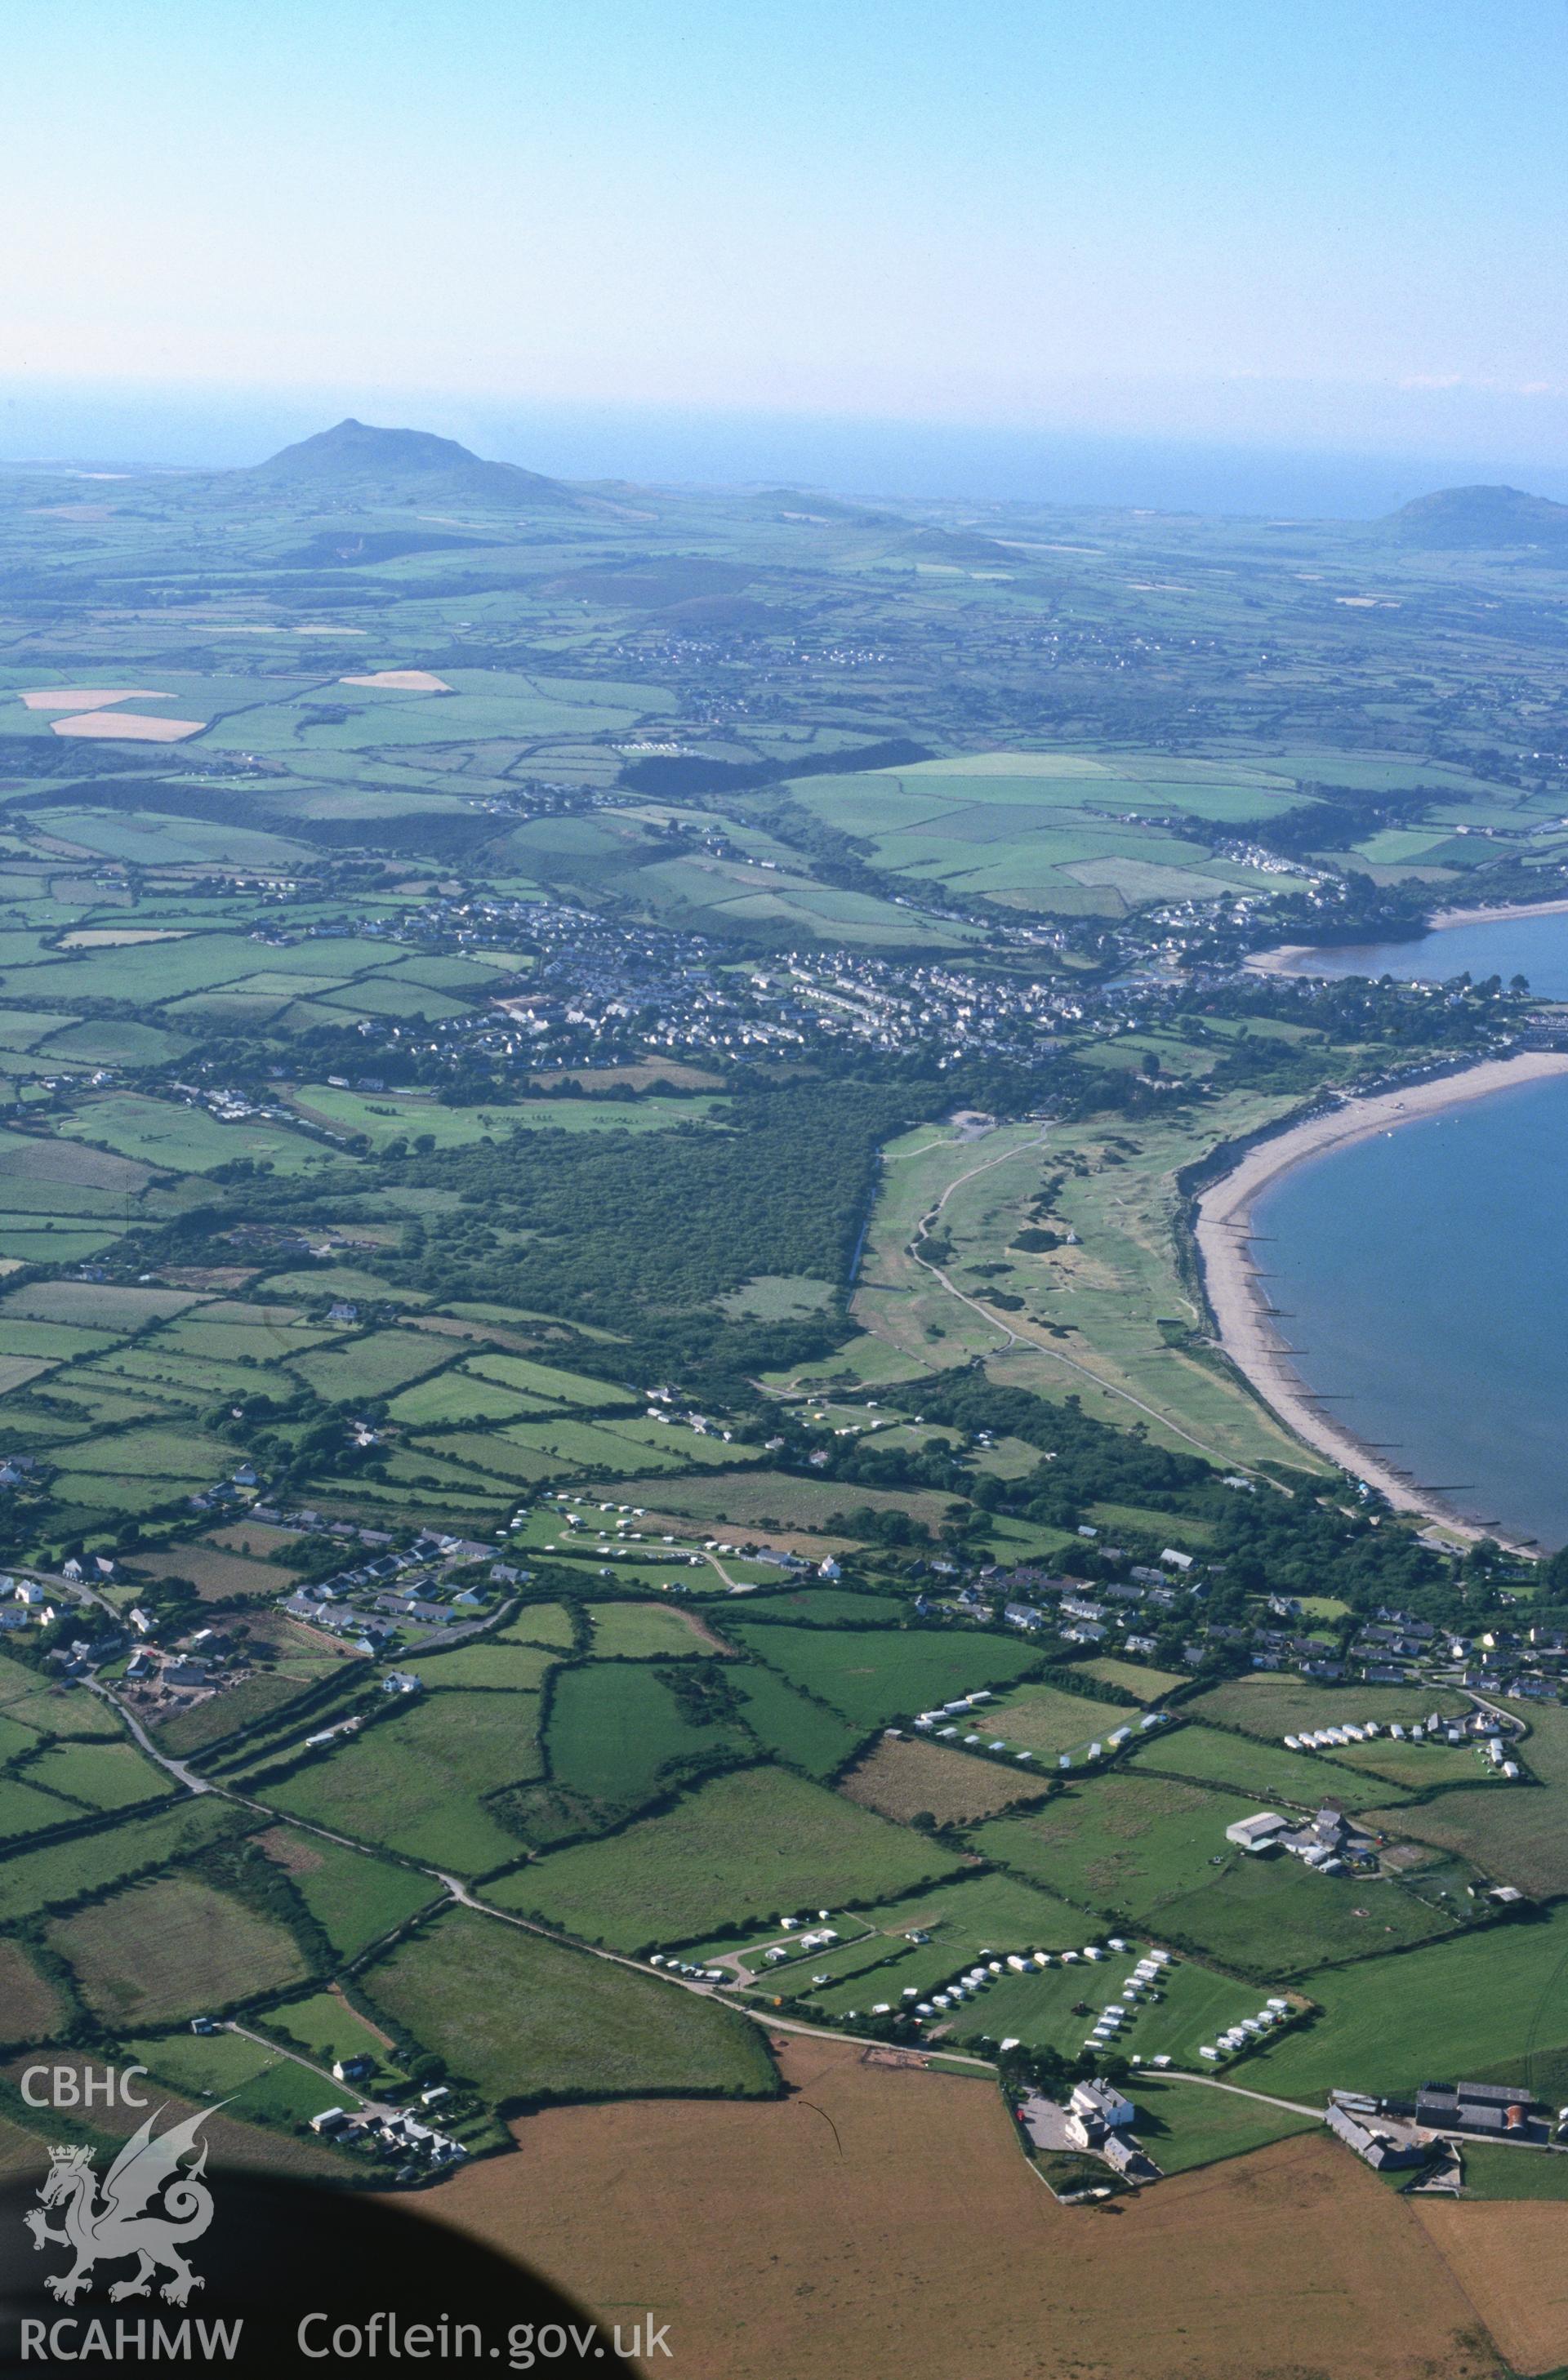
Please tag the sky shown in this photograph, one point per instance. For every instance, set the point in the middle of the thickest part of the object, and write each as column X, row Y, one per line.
column 1327, row 227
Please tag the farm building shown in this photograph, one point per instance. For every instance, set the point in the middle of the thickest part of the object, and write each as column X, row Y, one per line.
column 1497, row 2110
column 1260, row 1833
column 1377, row 2149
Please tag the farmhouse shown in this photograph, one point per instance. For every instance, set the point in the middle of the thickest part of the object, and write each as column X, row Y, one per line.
column 1094, row 2111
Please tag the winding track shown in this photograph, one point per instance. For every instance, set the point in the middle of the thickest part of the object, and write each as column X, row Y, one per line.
column 1013, row 1334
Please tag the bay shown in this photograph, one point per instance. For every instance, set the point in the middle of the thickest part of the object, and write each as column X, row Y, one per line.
column 1426, row 1275
column 1535, row 947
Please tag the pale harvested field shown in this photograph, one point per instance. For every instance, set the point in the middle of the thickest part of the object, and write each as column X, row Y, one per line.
column 405, row 681
column 129, row 727
column 112, row 938
column 30, row 2008
column 812, row 1543
column 216, row 1574
column 1510, row 2258
column 88, row 697
column 900, row 1779
column 749, row 1506
column 882, row 2223
column 258, row 1538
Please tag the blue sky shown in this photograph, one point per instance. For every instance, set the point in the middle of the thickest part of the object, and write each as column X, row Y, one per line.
column 1303, row 222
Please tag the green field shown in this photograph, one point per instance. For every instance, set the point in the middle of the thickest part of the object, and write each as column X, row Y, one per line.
column 1495, row 1999
column 1042, row 1719
column 251, row 2079
column 1186, row 2124
column 967, row 1915
column 52, row 1878
column 326, row 2027
column 1493, row 2171
column 370, row 1367
column 173, row 1947
column 183, row 1140
column 1265, row 1771
column 1153, row 1850
column 752, row 1842
column 26, row 1810
column 416, row 1781
column 354, row 1898
column 541, row 1623
column 824, row 1606
column 1030, row 829
column 100, row 1776
column 618, row 1735
column 1149, row 1685
column 508, row 1667
column 1194, row 2005
column 32, row 1699
column 794, row 1728
column 1278, row 1706
column 527, row 2021
column 30, row 2005
column 1517, row 1838
column 643, row 1632
column 875, row 1675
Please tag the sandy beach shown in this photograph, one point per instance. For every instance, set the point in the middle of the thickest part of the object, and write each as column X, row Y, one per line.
column 1249, row 1336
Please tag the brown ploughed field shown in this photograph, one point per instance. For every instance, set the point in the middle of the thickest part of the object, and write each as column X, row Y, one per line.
column 1509, row 2256
column 882, row 2223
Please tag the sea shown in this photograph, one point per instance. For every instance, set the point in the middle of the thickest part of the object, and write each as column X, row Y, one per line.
column 1423, row 1274
column 1535, row 947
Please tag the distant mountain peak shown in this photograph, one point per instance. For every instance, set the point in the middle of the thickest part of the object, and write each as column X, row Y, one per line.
column 357, row 458
column 1455, row 518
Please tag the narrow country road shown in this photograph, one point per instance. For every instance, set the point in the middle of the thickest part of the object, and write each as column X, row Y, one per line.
column 1212, row 2082
column 176, row 1769
column 463, row 1894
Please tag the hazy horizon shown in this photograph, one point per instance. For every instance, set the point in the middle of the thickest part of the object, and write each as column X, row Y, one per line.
column 97, row 429
column 1238, row 258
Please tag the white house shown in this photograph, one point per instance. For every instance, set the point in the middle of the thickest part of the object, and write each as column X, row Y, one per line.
column 1094, row 2110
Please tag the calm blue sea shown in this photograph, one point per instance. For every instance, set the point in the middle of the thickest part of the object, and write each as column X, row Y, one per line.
column 1426, row 1276
column 1532, row 947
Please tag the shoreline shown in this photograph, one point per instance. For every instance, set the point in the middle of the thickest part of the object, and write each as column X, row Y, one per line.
column 1222, row 1226
column 1287, row 959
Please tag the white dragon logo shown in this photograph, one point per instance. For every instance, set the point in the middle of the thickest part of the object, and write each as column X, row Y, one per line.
column 104, row 2225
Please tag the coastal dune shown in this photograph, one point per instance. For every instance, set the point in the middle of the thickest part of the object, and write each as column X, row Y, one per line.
column 1248, row 1332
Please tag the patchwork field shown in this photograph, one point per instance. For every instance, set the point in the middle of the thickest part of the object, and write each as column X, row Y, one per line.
column 353, row 1898
column 416, row 1781
column 874, row 1676
column 751, row 1842
column 1153, row 1849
